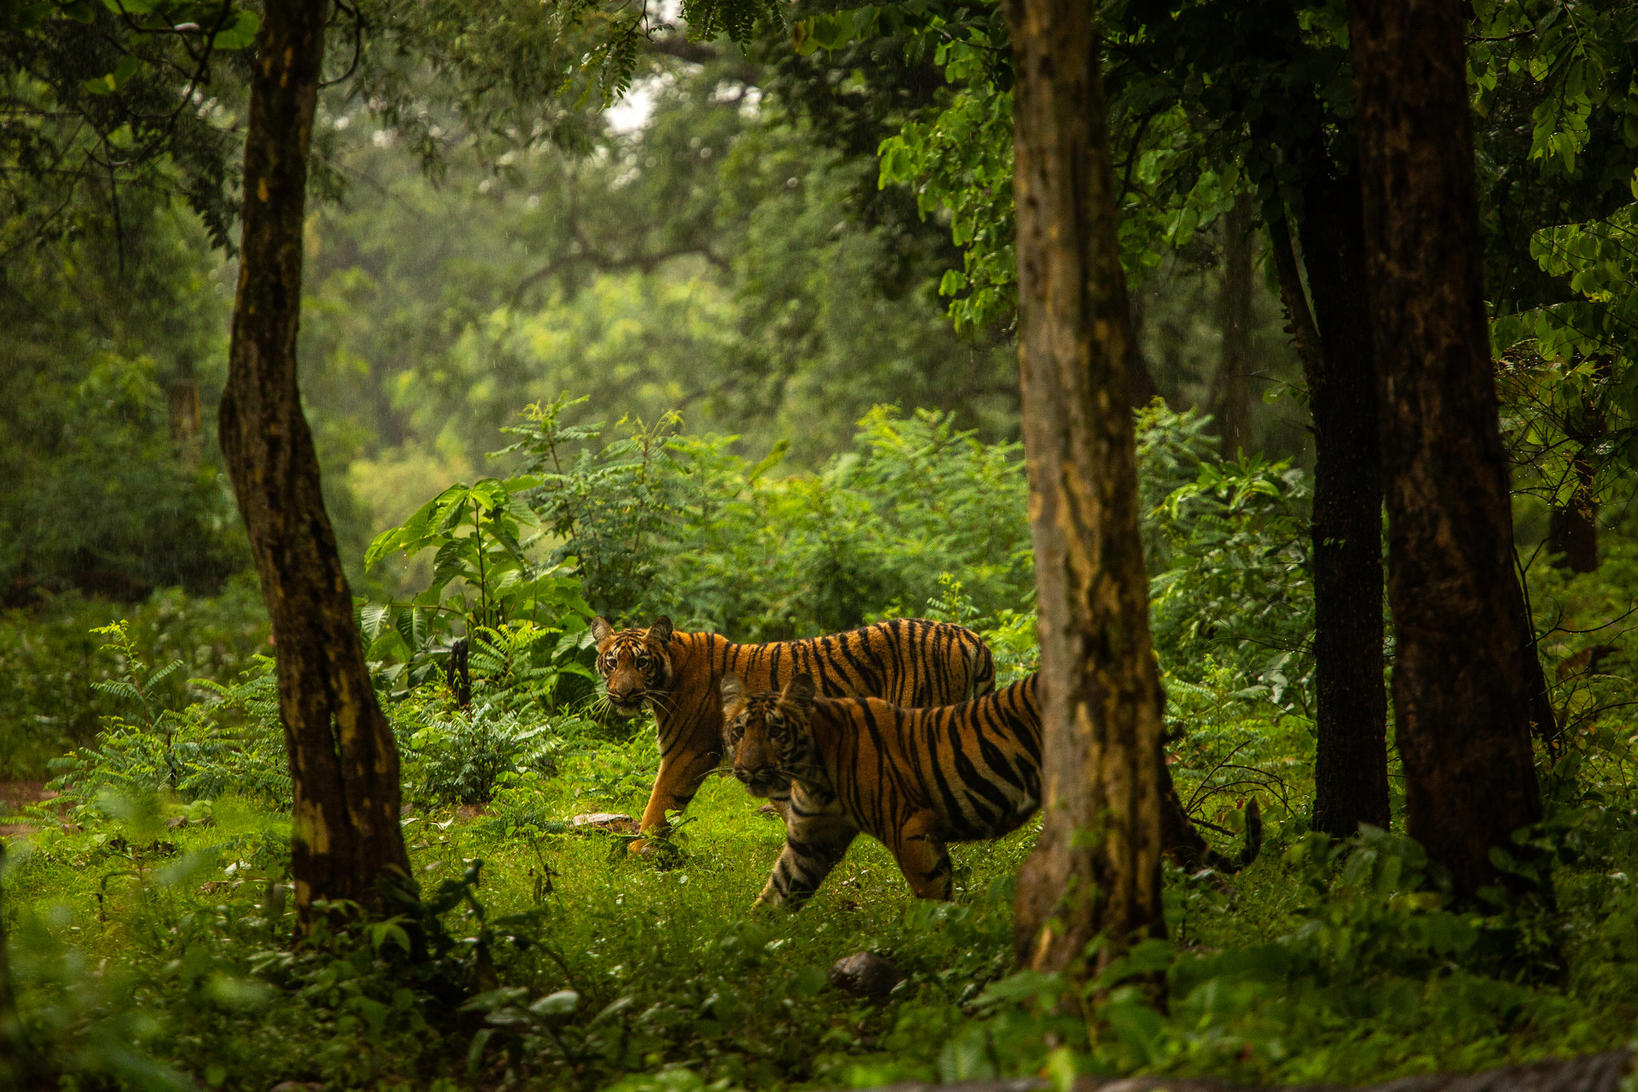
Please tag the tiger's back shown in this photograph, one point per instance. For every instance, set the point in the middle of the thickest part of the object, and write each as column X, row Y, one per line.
column 907, row 661
column 976, row 765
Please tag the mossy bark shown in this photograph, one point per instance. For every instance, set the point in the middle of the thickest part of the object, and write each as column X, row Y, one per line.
column 1096, row 867
column 343, row 761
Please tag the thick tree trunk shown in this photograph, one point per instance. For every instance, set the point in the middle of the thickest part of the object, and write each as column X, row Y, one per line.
column 1461, row 702
column 1234, row 319
column 1096, row 868
column 1350, row 757
column 343, row 761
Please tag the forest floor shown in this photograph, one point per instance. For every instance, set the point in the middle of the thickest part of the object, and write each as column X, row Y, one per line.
column 14, row 797
column 575, row 965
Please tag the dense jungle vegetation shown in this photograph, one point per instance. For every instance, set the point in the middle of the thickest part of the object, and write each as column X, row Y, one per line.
column 714, row 313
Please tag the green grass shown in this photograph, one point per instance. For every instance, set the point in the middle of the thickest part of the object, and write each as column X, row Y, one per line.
column 150, row 955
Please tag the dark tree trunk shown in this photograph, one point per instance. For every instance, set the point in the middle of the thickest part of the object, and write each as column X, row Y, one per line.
column 343, row 762
column 1460, row 699
column 1233, row 407
column 1350, row 758
column 1572, row 529
column 1096, row 868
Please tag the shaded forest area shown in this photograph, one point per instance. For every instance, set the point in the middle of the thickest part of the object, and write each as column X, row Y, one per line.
column 1260, row 375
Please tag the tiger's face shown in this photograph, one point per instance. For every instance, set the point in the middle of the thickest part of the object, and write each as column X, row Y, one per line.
column 634, row 664
column 769, row 735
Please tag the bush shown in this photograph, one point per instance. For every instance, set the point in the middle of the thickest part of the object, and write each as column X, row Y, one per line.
column 232, row 741
column 51, row 661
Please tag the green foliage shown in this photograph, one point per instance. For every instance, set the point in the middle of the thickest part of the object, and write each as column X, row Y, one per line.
column 104, row 100
column 232, row 741
column 658, row 521
column 484, row 584
column 51, row 666
column 457, row 756
column 564, row 961
column 959, row 161
column 96, row 415
column 1227, row 548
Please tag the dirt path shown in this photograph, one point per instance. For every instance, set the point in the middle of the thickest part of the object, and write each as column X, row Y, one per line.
column 14, row 796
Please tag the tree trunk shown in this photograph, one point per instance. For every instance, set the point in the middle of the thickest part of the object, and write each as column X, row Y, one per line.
column 1572, row 529
column 182, row 402
column 1096, row 867
column 1350, row 756
column 1461, row 703
column 343, row 761
column 1234, row 318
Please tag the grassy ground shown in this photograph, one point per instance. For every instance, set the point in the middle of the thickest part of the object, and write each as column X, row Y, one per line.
column 150, row 950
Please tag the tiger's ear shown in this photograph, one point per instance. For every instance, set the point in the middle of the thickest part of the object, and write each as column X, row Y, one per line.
column 733, row 688
column 661, row 630
column 799, row 692
column 601, row 631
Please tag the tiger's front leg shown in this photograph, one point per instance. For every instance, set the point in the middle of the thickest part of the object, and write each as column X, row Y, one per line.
column 814, row 843
column 923, row 857
column 680, row 777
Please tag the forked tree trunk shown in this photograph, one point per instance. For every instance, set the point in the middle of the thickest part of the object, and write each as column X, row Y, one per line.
column 1096, row 867
column 1460, row 699
column 343, row 761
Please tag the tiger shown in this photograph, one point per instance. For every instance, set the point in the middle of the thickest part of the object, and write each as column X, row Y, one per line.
column 914, row 779
column 909, row 661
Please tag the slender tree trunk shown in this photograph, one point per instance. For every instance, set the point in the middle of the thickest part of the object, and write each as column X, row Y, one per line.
column 1572, row 529
column 343, row 762
column 1234, row 318
column 1350, row 757
column 1096, row 868
column 1461, row 704
column 182, row 401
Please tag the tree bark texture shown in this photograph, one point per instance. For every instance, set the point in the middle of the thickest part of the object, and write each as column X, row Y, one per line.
column 343, row 761
column 1350, row 755
column 1234, row 319
column 1461, row 701
column 1096, row 867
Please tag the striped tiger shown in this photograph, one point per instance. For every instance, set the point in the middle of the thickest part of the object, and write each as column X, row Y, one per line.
column 908, row 661
column 915, row 779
